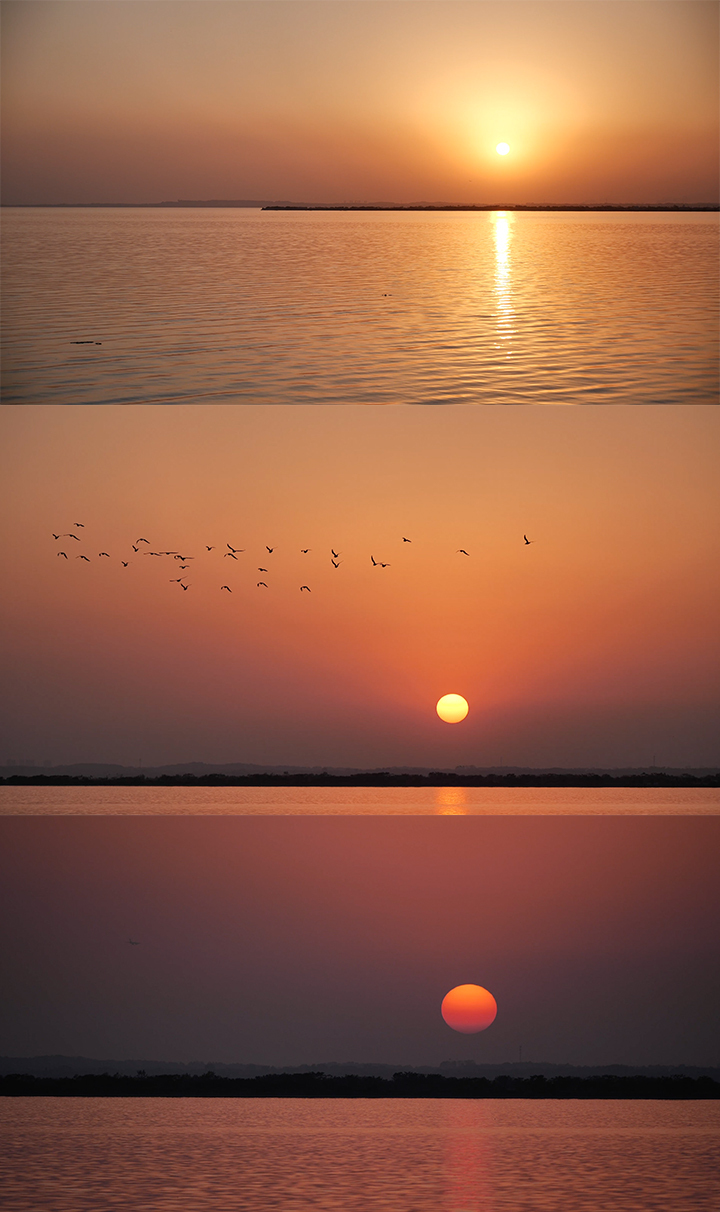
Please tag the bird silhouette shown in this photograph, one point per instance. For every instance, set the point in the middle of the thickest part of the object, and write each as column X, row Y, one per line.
column 225, row 587
column 336, row 554
column 231, row 554
column 261, row 583
column 304, row 551
column 240, row 549
column 80, row 524
column 262, row 569
column 56, row 537
column 305, row 587
column 62, row 553
column 384, row 565
column 183, row 558
column 177, row 580
column 133, row 547
column 209, row 548
column 83, row 558
column 103, row 553
column 184, row 565
column 336, row 565
column 123, row 562
column 407, row 540
column 374, row 561
column 184, row 586
column 70, row 536
column 527, row 540
column 462, row 551
column 143, row 541
column 270, row 549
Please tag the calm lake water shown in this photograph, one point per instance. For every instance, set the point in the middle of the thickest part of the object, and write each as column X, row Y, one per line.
column 358, row 801
column 263, row 307
column 424, row 1155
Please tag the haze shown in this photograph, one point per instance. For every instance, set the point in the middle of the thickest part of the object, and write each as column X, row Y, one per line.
column 342, row 102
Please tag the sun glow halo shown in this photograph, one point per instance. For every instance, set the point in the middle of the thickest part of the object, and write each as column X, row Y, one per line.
column 502, row 149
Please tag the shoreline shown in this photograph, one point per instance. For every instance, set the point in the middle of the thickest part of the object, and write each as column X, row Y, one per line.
column 371, row 780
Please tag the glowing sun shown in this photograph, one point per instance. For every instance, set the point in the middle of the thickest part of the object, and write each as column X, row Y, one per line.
column 452, row 708
column 468, row 1008
column 502, row 149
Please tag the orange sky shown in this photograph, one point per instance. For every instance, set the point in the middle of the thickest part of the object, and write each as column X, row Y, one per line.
column 595, row 645
column 344, row 101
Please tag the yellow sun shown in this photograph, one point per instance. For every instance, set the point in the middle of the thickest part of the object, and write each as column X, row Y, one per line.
column 502, row 149
column 452, row 708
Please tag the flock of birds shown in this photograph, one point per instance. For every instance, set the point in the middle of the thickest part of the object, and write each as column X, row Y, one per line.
column 231, row 554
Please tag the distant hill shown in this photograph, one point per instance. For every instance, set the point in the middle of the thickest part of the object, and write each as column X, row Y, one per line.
column 69, row 1066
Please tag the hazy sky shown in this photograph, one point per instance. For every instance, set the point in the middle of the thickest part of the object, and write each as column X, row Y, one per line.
column 595, row 645
column 341, row 101
column 291, row 941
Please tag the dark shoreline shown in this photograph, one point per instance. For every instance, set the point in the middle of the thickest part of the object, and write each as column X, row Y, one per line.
column 319, row 1085
column 438, row 779
column 680, row 208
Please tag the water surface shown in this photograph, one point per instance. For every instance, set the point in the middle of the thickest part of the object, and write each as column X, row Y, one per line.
column 358, row 801
column 415, row 1155
column 239, row 305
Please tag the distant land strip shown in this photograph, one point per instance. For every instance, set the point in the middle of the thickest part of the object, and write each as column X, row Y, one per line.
column 381, row 779
column 509, row 206
column 262, row 204
column 320, row 1085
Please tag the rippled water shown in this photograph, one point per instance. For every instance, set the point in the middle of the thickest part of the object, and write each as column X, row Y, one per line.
column 424, row 1155
column 271, row 308
column 358, row 801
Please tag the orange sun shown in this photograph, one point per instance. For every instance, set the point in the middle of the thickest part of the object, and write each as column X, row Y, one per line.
column 468, row 1008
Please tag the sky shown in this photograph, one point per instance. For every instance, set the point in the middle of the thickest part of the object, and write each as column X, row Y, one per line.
column 288, row 941
column 599, row 100
column 595, row 644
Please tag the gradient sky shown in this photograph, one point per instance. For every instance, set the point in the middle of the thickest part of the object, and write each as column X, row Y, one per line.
column 382, row 102
column 596, row 645
column 291, row 941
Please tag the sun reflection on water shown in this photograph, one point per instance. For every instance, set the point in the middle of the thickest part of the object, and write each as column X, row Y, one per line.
column 451, row 801
column 503, row 222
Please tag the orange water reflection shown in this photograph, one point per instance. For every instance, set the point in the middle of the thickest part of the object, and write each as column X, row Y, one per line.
column 505, row 312
column 451, row 801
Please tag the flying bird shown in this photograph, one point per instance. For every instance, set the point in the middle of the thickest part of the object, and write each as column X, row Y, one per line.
column 336, row 554
column 240, row 549
column 103, row 553
column 85, row 558
column 177, row 580
column 62, row 553
column 143, row 541
column 56, row 537
column 304, row 550
column 336, row 565
column 462, row 551
column 384, row 565
column 305, row 587
column 123, row 562
column 527, row 540
column 133, row 547
column 231, row 554
column 225, row 587
column 209, row 548
column 71, row 536
column 184, row 586
column 262, row 569
column 184, row 565
column 407, row 540
column 374, row 561
column 270, row 549
column 80, row 524
column 261, row 583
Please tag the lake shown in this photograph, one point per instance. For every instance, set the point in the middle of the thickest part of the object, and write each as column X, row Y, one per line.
column 137, row 306
column 415, row 1155
column 358, row 801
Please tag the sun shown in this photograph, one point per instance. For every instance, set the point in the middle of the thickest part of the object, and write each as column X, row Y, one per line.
column 452, row 708
column 502, row 149
column 469, row 1009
